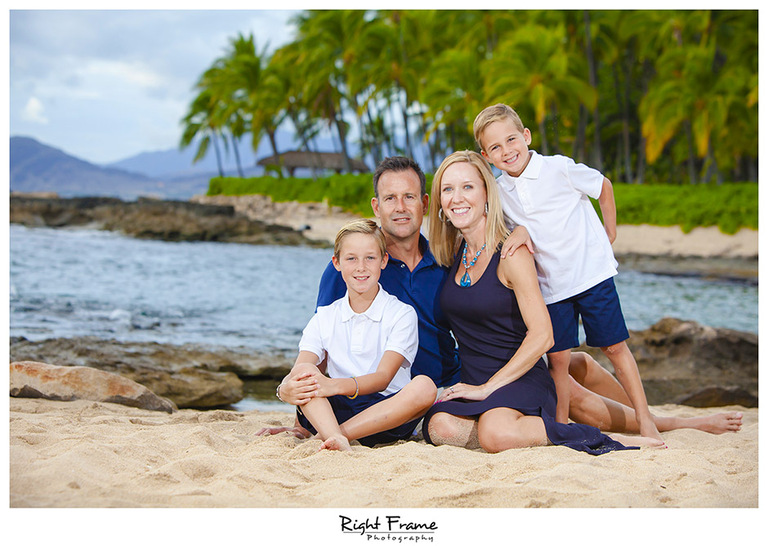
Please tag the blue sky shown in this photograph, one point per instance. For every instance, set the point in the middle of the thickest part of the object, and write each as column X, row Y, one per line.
column 104, row 85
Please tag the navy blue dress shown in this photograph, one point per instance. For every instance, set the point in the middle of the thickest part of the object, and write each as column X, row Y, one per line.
column 487, row 323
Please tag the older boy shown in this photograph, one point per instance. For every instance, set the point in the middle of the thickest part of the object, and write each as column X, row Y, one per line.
column 549, row 196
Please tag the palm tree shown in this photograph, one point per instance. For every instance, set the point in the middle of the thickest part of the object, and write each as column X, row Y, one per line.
column 531, row 71
column 202, row 122
column 327, row 40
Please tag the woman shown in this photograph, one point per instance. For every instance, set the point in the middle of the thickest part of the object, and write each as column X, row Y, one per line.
column 506, row 398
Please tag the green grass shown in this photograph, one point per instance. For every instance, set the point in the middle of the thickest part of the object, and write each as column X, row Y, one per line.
column 728, row 206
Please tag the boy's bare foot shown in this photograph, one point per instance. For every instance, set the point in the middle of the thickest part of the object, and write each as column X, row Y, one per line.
column 336, row 443
column 299, row 432
column 638, row 441
column 718, row 423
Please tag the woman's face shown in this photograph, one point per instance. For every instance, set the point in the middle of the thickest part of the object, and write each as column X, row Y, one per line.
column 463, row 195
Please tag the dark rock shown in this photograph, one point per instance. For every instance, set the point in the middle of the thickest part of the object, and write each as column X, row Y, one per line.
column 678, row 358
column 40, row 380
column 710, row 397
column 152, row 219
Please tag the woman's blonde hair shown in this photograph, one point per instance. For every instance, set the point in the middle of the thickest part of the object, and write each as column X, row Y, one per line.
column 364, row 226
column 444, row 238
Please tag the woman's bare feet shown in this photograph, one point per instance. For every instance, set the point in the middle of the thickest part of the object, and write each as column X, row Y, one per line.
column 299, row 432
column 638, row 441
column 336, row 443
column 718, row 423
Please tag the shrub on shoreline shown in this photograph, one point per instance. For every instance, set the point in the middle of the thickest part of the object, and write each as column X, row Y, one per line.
column 729, row 206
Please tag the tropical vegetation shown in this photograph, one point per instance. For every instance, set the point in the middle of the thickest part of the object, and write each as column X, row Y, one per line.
column 728, row 206
column 665, row 96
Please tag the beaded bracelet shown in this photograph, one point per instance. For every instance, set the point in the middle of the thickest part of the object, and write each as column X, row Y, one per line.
column 357, row 390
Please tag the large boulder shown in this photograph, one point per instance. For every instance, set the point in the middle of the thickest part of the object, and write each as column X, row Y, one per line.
column 40, row 380
column 684, row 362
column 193, row 376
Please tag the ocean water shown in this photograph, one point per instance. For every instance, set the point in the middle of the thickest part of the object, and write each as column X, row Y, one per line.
column 76, row 282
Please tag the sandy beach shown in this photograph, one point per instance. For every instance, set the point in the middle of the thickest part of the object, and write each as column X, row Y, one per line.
column 93, row 454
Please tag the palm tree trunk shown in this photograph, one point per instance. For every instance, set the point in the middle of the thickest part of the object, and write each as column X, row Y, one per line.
column 623, row 101
column 343, row 140
column 581, row 135
column 543, row 137
column 218, row 153
column 272, row 135
column 237, row 156
column 691, row 154
column 597, row 152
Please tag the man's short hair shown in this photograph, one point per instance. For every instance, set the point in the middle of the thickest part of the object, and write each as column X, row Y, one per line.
column 398, row 163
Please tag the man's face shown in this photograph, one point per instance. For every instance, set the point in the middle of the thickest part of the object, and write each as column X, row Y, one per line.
column 400, row 206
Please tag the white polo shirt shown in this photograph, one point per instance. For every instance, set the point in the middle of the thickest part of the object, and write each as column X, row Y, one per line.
column 551, row 199
column 355, row 342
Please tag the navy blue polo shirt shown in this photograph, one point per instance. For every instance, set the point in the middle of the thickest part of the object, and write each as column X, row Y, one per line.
column 437, row 357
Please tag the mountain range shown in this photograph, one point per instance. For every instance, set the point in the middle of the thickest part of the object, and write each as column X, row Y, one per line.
column 168, row 174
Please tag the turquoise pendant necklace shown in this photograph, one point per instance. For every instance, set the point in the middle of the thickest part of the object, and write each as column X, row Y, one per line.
column 465, row 279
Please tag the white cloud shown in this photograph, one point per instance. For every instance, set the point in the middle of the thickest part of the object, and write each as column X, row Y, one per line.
column 34, row 112
column 112, row 83
column 133, row 73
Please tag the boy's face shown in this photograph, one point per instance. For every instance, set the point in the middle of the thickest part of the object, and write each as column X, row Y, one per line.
column 360, row 262
column 506, row 147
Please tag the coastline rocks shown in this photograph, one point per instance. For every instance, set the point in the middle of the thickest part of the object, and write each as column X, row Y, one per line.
column 319, row 221
column 40, row 380
column 153, row 219
column 687, row 363
column 191, row 376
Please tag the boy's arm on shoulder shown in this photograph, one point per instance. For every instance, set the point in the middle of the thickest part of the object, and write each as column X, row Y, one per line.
column 608, row 209
column 519, row 237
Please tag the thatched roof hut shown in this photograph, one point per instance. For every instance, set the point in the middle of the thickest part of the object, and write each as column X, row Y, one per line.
column 313, row 160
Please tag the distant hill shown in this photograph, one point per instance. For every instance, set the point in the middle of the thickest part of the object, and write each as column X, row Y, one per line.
column 35, row 167
column 169, row 174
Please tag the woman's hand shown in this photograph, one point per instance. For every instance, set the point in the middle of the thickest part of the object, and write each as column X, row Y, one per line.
column 467, row 392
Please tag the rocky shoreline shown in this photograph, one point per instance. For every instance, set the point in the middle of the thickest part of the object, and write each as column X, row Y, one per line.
column 256, row 219
column 153, row 219
column 681, row 362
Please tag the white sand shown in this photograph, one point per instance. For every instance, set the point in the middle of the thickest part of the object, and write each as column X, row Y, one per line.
column 91, row 454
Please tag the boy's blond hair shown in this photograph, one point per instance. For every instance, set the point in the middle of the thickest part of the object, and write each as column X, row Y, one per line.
column 497, row 112
column 444, row 238
column 364, row 226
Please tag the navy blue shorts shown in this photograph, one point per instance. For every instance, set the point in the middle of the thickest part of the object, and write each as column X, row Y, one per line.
column 344, row 409
column 601, row 316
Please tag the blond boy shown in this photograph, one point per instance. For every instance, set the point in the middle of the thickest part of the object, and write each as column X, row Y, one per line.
column 367, row 340
column 549, row 196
